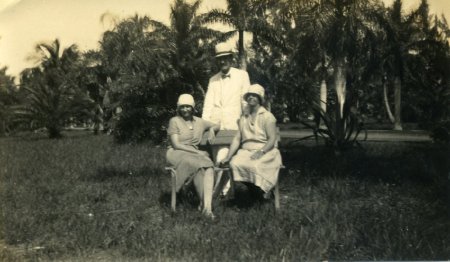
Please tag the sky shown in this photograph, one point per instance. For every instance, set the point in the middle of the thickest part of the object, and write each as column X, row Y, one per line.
column 24, row 23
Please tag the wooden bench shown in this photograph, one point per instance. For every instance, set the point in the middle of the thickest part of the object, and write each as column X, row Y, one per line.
column 223, row 138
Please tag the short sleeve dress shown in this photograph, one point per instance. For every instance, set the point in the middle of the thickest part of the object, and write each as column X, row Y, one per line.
column 262, row 172
column 187, row 164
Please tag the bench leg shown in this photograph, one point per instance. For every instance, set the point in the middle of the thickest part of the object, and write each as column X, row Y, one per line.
column 276, row 192
column 232, row 190
column 174, row 190
column 219, row 183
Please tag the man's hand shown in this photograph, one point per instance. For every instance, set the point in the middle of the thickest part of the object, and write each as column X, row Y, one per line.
column 211, row 136
column 257, row 155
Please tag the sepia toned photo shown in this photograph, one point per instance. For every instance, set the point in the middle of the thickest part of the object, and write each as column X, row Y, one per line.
column 224, row 130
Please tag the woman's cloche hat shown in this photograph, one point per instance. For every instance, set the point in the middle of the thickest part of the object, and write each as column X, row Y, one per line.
column 185, row 99
column 257, row 90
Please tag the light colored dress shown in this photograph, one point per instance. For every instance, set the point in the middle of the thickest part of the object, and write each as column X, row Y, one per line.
column 262, row 172
column 187, row 164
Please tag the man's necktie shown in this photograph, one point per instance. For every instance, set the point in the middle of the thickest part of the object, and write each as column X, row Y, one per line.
column 225, row 75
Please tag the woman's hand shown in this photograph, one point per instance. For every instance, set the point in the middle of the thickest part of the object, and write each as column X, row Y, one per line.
column 257, row 155
column 211, row 136
column 224, row 162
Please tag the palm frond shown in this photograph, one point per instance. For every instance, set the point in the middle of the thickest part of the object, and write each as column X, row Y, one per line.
column 218, row 16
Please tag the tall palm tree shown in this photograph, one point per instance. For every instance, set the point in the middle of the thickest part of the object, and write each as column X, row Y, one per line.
column 310, row 48
column 428, row 92
column 188, row 43
column 399, row 38
column 274, row 61
column 127, row 59
column 53, row 96
column 118, row 48
column 134, row 69
column 244, row 16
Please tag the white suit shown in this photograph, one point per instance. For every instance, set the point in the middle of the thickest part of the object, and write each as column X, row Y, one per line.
column 224, row 98
column 224, row 105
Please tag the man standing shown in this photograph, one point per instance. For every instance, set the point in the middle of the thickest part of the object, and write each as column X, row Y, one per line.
column 224, row 101
column 224, row 98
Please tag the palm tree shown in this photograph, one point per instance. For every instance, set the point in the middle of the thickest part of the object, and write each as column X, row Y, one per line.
column 428, row 92
column 399, row 39
column 135, row 70
column 283, row 54
column 244, row 16
column 310, row 50
column 345, row 34
column 410, row 45
column 53, row 96
column 188, row 43
column 125, row 51
column 8, row 99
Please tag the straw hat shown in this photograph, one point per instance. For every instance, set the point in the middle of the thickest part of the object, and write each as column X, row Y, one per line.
column 223, row 49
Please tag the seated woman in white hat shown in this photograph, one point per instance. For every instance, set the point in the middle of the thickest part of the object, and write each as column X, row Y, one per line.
column 258, row 160
column 191, row 164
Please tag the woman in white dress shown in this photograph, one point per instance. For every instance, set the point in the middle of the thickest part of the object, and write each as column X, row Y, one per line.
column 258, row 159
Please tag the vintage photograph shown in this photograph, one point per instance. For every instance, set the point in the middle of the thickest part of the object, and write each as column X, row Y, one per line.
column 224, row 130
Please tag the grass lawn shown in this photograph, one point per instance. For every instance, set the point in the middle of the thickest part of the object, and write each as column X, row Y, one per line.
column 85, row 198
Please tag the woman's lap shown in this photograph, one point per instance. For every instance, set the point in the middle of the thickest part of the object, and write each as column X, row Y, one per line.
column 186, row 164
column 262, row 172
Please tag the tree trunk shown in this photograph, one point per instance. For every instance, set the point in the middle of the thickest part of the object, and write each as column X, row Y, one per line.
column 322, row 102
column 323, row 96
column 340, row 87
column 386, row 103
column 242, row 60
column 398, row 100
column 54, row 132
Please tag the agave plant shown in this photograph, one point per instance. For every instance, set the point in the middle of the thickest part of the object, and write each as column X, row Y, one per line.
column 339, row 133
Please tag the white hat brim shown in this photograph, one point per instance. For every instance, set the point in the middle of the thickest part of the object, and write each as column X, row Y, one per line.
column 253, row 93
column 224, row 54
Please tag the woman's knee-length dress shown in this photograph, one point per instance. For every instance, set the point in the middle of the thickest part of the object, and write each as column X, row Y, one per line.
column 262, row 172
column 187, row 164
